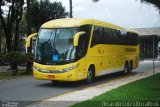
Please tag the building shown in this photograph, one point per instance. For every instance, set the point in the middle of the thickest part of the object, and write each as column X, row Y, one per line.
column 146, row 40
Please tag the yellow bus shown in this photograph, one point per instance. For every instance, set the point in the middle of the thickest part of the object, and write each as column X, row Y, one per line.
column 81, row 49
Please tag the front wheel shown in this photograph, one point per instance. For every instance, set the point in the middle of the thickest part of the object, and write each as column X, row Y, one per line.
column 90, row 75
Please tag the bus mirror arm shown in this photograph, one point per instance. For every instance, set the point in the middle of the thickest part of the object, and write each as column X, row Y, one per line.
column 28, row 43
column 76, row 38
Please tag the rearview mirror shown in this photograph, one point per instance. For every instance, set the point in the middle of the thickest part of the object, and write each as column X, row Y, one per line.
column 76, row 38
column 28, row 43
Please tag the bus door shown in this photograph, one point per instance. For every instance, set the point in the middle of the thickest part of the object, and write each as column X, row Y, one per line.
column 80, row 54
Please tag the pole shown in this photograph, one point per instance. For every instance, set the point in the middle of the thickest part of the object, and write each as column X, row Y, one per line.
column 70, row 2
column 153, row 54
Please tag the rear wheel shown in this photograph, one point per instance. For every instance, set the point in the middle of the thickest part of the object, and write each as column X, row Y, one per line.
column 90, row 75
column 127, row 68
column 131, row 65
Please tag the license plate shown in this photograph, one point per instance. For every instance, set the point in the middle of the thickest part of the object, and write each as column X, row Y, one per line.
column 51, row 76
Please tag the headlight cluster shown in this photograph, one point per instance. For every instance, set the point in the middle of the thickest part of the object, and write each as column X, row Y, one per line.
column 56, row 71
column 69, row 69
column 40, row 70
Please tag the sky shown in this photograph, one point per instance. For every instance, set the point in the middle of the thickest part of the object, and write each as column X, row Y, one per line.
column 125, row 13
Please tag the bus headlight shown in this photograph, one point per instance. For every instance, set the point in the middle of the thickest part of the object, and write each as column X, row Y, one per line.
column 40, row 70
column 69, row 69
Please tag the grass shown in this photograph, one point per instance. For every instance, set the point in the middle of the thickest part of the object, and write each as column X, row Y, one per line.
column 9, row 75
column 147, row 89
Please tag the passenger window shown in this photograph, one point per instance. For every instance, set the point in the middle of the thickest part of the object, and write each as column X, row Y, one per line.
column 87, row 29
column 114, row 37
column 97, row 37
column 107, row 36
column 103, row 35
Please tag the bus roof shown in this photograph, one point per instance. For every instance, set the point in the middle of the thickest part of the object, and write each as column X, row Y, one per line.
column 74, row 22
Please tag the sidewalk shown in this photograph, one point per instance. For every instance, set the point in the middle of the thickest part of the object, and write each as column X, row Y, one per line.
column 71, row 98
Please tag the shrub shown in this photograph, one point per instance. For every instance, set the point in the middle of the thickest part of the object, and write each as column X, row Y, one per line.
column 15, row 58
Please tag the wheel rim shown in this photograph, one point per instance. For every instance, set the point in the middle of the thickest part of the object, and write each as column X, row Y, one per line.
column 89, row 75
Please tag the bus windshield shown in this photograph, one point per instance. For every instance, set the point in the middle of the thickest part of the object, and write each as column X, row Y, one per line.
column 55, row 46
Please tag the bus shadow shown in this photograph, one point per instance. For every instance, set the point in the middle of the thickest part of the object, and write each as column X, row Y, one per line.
column 82, row 84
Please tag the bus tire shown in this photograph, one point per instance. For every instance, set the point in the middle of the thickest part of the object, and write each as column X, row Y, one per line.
column 90, row 74
column 126, row 68
column 131, row 65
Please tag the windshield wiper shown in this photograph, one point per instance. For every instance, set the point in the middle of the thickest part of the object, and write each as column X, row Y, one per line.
column 38, row 61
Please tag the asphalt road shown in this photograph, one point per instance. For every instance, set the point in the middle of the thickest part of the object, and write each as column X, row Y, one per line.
column 29, row 90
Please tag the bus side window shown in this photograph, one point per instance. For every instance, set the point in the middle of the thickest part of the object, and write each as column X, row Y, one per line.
column 114, row 37
column 96, row 38
column 86, row 37
column 81, row 47
column 135, row 38
column 123, row 36
column 131, row 39
column 102, row 33
column 107, row 36
column 119, row 37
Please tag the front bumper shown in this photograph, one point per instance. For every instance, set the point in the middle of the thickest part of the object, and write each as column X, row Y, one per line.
column 66, row 76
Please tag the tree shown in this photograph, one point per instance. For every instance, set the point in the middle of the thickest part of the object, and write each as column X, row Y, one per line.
column 156, row 3
column 95, row 0
column 29, row 30
column 0, row 38
column 45, row 10
column 10, row 20
column 2, row 42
